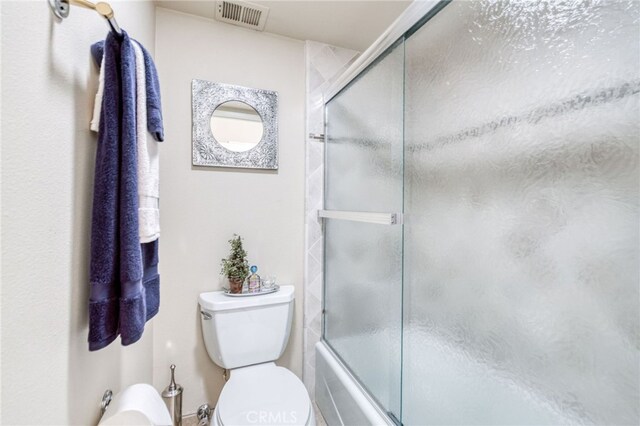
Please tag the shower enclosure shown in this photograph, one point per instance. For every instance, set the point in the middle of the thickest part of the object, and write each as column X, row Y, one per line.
column 481, row 219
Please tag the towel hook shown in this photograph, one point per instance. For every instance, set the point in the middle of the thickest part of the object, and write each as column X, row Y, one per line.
column 60, row 8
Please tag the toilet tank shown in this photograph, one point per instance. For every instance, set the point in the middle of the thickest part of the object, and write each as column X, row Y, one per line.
column 247, row 330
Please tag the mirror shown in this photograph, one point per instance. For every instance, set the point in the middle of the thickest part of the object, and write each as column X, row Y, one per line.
column 233, row 126
column 237, row 126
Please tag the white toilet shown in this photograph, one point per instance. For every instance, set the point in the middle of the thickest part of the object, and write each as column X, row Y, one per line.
column 246, row 335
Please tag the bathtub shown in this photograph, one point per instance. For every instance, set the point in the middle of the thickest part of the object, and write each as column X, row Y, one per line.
column 339, row 396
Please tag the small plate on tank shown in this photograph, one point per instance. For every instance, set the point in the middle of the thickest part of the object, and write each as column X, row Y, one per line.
column 247, row 294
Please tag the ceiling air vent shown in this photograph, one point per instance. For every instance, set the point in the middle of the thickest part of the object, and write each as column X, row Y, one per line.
column 242, row 13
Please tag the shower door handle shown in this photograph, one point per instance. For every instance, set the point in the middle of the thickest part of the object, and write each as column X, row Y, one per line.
column 366, row 217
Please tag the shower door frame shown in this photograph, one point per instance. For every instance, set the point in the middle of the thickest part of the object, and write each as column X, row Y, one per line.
column 414, row 17
column 387, row 218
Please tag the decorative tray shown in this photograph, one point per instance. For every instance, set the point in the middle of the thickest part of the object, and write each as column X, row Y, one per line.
column 257, row 293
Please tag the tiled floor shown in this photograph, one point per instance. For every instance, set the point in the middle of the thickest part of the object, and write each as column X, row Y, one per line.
column 192, row 420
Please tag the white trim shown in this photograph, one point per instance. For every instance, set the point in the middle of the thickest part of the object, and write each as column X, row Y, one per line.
column 416, row 11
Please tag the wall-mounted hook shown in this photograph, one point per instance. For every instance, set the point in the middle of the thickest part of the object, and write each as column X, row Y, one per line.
column 60, row 8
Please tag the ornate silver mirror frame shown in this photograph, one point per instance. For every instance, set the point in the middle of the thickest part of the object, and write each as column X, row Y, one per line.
column 206, row 97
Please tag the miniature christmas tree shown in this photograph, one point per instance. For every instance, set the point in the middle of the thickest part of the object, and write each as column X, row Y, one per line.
column 236, row 266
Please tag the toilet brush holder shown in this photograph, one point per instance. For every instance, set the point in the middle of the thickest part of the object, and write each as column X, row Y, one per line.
column 172, row 396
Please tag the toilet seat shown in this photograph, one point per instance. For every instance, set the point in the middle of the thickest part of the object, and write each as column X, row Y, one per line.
column 263, row 394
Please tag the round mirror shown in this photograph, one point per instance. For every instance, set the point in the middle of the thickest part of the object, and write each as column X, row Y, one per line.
column 236, row 126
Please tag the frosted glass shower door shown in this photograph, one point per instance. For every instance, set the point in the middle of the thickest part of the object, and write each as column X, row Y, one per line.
column 363, row 260
column 521, row 278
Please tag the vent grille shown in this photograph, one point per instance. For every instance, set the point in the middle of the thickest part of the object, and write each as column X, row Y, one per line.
column 231, row 11
column 241, row 13
column 251, row 16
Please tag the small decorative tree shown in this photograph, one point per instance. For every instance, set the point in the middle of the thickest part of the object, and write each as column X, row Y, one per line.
column 236, row 266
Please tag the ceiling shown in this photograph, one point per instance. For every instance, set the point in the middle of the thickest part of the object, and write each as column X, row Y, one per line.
column 351, row 24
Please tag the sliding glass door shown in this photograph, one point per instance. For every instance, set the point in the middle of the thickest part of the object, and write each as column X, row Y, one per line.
column 482, row 237
column 521, row 197
column 363, row 257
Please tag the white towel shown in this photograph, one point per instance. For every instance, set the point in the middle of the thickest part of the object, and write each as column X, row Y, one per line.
column 97, row 104
column 148, row 164
column 148, row 158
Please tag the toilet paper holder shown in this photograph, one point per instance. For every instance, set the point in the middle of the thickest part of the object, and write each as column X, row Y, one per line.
column 106, row 400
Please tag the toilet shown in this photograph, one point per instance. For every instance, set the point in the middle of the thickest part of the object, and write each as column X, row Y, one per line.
column 246, row 335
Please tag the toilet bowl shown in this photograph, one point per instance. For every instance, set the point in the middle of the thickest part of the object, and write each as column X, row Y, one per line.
column 246, row 335
column 263, row 394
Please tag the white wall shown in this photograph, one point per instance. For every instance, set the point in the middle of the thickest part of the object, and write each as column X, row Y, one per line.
column 48, row 153
column 202, row 206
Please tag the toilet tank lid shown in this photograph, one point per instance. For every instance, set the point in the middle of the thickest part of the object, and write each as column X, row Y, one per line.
column 218, row 301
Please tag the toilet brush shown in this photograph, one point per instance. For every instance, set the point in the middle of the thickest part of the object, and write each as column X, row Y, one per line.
column 172, row 396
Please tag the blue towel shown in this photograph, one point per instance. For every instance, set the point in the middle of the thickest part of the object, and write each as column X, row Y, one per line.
column 154, row 104
column 154, row 108
column 123, row 273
